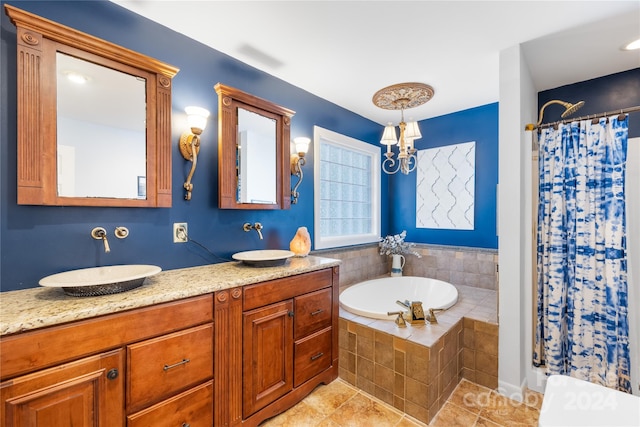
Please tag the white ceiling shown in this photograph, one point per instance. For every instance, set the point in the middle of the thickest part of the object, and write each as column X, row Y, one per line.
column 344, row 51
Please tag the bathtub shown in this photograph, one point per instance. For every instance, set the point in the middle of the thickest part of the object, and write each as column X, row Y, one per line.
column 572, row 402
column 374, row 298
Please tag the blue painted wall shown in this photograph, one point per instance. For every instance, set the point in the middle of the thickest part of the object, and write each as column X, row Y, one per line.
column 37, row 241
column 604, row 94
column 478, row 124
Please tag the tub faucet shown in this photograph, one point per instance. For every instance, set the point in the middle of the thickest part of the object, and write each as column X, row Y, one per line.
column 415, row 311
column 257, row 226
column 99, row 233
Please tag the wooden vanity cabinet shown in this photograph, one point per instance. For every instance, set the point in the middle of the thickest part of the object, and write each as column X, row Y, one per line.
column 289, row 341
column 236, row 357
column 107, row 371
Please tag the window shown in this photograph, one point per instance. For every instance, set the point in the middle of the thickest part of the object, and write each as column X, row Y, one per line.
column 347, row 190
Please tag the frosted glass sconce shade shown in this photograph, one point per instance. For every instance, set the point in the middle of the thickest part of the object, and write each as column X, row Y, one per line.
column 197, row 118
column 297, row 161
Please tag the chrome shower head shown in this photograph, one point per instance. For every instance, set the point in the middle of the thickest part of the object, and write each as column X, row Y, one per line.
column 571, row 108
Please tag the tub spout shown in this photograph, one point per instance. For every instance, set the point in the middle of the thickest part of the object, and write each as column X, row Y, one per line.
column 416, row 312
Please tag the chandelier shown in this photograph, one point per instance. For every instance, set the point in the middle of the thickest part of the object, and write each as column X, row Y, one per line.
column 401, row 96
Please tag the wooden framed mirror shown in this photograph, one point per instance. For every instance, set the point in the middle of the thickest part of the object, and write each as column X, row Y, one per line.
column 72, row 149
column 253, row 151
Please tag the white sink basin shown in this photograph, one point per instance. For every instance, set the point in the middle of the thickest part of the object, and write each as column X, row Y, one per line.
column 100, row 280
column 263, row 258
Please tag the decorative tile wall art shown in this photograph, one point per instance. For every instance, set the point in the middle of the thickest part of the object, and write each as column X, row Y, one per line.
column 445, row 195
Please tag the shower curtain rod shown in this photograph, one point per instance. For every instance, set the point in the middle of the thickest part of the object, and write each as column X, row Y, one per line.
column 590, row 116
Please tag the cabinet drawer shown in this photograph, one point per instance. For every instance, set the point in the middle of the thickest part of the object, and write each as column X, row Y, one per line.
column 194, row 407
column 277, row 290
column 312, row 356
column 312, row 312
column 162, row 366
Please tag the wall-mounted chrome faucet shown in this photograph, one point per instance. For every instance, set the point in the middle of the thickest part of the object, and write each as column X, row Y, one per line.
column 257, row 226
column 99, row 233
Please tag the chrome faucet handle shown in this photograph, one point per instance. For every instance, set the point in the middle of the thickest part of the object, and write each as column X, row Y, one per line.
column 400, row 319
column 404, row 304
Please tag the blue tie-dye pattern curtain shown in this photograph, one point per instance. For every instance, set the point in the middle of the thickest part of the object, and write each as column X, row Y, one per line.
column 582, row 328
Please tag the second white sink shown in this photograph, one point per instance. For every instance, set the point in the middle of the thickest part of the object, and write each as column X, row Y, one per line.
column 263, row 258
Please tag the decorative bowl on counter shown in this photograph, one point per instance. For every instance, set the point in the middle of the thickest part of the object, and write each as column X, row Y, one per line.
column 263, row 258
column 112, row 279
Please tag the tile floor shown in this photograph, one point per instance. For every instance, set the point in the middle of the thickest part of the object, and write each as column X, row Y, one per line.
column 341, row 405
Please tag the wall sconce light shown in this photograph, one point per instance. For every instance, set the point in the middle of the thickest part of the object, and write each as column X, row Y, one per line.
column 190, row 142
column 297, row 161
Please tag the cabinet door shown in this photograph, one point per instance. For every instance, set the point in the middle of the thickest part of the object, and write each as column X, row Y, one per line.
column 267, row 355
column 84, row 393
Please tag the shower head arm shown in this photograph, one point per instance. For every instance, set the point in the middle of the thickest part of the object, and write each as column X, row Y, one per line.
column 569, row 108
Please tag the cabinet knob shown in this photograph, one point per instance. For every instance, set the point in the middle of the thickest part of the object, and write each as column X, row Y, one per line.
column 112, row 374
column 186, row 425
column 290, row 313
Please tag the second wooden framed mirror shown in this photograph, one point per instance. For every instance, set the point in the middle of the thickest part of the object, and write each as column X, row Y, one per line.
column 253, row 151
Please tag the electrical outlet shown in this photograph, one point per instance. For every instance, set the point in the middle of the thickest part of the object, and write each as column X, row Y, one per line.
column 180, row 232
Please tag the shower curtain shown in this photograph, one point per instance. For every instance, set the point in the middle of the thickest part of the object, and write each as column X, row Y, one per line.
column 582, row 327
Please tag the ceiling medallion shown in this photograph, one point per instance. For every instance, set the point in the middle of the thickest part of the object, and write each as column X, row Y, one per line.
column 402, row 96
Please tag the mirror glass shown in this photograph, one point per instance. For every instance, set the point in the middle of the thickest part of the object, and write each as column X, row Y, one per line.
column 101, row 131
column 256, row 158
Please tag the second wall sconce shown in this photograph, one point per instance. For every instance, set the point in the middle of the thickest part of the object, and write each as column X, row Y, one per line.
column 297, row 161
column 190, row 141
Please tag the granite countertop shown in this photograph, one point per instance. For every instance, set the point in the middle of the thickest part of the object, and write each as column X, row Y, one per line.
column 29, row 309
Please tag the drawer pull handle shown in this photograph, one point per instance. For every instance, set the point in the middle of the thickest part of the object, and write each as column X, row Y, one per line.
column 315, row 313
column 182, row 362
column 186, row 425
column 317, row 356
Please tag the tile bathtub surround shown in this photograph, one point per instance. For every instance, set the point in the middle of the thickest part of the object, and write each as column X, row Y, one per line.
column 359, row 263
column 338, row 404
column 459, row 266
column 474, row 267
column 480, row 352
column 415, row 369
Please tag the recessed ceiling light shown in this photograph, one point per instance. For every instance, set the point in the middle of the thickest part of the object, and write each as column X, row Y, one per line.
column 633, row 45
column 76, row 77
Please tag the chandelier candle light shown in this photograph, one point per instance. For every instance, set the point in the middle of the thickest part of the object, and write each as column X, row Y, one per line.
column 401, row 97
